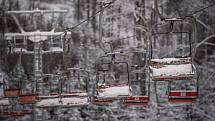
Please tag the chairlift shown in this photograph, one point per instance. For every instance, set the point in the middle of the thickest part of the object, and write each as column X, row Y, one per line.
column 1, row 79
column 140, row 99
column 18, row 42
column 178, row 71
column 64, row 99
column 56, row 44
column 109, row 91
column 4, row 107
column 183, row 91
column 12, row 92
column 162, row 68
column 28, row 98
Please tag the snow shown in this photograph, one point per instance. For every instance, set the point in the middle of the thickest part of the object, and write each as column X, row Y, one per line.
column 20, row 50
column 4, row 101
column 114, row 91
column 65, row 102
column 170, row 60
column 56, row 49
column 172, row 70
column 173, row 19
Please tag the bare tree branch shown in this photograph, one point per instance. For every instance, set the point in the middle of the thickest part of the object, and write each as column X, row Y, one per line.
column 17, row 23
column 205, row 40
column 157, row 9
column 203, row 24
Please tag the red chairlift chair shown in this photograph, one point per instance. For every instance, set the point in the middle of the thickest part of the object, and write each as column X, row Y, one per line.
column 4, row 107
column 183, row 95
column 62, row 99
column 1, row 79
column 140, row 99
column 28, row 98
column 176, row 70
column 182, row 67
column 12, row 92
column 110, row 91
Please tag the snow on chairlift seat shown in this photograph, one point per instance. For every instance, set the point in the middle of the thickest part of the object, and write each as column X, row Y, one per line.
column 4, row 102
column 107, row 93
column 1, row 79
column 113, row 90
column 136, row 100
column 172, row 72
column 171, row 68
column 19, row 50
column 63, row 102
column 56, row 49
column 170, row 61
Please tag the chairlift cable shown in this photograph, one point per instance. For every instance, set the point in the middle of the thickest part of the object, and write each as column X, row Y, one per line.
column 72, row 28
column 202, row 9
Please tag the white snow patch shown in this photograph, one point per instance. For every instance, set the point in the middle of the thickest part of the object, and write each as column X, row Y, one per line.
column 172, row 70
column 20, row 50
column 170, row 60
column 114, row 91
column 4, row 101
column 65, row 101
column 56, row 49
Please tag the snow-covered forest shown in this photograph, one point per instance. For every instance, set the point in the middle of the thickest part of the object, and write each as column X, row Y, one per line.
column 84, row 60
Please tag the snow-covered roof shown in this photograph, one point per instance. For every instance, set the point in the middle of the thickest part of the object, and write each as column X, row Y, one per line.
column 114, row 91
column 172, row 70
column 4, row 102
column 64, row 102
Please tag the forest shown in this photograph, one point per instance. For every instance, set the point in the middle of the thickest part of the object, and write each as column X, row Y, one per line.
column 102, row 60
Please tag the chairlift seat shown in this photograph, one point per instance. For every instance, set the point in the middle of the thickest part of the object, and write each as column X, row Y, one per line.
column 102, row 101
column 17, row 114
column 6, row 113
column 20, row 50
column 182, row 96
column 107, row 93
column 63, row 102
column 4, row 102
column 169, row 61
column 56, row 49
column 28, row 99
column 10, row 93
column 27, row 111
column 136, row 101
column 172, row 72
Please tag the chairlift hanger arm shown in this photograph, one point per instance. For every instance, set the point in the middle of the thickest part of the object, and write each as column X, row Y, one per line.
column 172, row 19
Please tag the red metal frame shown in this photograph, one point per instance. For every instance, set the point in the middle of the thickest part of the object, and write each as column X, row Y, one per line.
column 182, row 77
column 17, row 113
column 28, row 99
column 182, row 96
column 102, row 100
column 9, row 93
column 27, row 111
column 136, row 101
